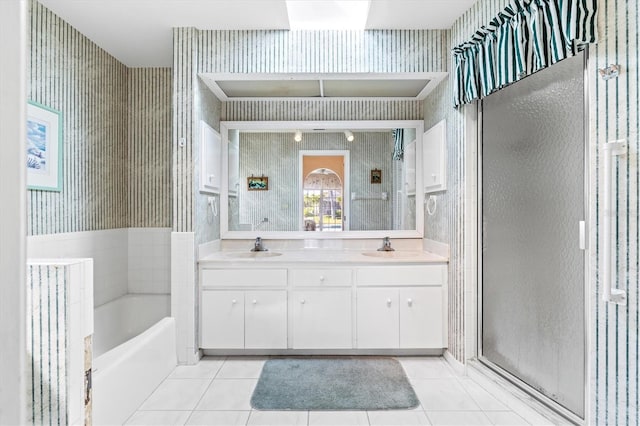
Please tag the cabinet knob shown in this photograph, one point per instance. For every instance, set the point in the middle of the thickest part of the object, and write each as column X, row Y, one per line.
column 254, row 301
column 321, row 278
column 388, row 302
column 410, row 302
column 302, row 301
column 234, row 301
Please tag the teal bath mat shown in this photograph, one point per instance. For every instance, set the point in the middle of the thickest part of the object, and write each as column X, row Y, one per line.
column 333, row 383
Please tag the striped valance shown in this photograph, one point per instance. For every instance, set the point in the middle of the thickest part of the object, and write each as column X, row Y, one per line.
column 525, row 37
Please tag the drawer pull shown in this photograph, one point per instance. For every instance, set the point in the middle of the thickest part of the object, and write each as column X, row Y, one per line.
column 234, row 301
column 410, row 302
column 321, row 278
column 254, row 301
column 388, row 302
column 302, row 301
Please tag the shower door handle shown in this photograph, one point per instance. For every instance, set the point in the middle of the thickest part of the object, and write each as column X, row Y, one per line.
column 582, row 230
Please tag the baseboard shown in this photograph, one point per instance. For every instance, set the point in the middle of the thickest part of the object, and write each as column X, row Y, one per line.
column 327, row 352
column 459, row 367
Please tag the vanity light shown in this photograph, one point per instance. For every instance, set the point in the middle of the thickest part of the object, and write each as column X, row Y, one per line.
column 348, row 135
column 298, row 136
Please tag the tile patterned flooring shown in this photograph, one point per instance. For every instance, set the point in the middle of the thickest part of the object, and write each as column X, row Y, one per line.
column 217, row 391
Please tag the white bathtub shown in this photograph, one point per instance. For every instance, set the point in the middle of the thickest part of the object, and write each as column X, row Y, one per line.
column 134, row 350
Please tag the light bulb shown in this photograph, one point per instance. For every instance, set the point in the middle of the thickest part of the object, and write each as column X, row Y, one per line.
column 348, row 135
column 298, row 136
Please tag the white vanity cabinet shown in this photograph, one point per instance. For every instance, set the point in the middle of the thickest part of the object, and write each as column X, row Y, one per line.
column 401, row 307
column 321, row 308
column 356, row 307
column 235, row 316
column 321, row 319
column 220, row 307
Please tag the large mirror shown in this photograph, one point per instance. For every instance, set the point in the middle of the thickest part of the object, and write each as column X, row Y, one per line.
column 340, row 179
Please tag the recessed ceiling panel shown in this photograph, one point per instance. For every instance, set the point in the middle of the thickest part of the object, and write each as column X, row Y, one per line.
column 374, row 88
column 415, row 14
column 269, row 88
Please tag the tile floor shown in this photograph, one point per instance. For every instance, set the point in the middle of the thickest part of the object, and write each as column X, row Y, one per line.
column 217, row 391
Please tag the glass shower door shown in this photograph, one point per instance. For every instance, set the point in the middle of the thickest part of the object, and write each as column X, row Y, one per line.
column 533, row 189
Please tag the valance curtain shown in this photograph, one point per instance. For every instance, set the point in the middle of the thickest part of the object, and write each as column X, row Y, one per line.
column 527, row 36
column 398, row 144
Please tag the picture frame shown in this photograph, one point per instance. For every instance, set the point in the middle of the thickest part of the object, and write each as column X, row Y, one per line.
column 257, row 183
column 376, row 176
column 44, row 148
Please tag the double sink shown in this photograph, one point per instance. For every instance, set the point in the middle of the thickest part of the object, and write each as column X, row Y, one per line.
column 380, row 254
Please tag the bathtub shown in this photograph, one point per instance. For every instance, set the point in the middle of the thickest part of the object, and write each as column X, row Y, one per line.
column 134, row 350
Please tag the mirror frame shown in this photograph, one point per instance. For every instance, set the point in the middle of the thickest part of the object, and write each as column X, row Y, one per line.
column 291, row 126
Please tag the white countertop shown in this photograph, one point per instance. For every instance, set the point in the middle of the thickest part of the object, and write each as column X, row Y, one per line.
column 313, row 255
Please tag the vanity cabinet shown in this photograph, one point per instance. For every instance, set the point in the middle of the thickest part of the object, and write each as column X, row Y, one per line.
column 244, row 319
column 404, row 318
column 361, row 307
column 243, row 309
column 321, row 319
column 222, row 307
column 401, row 307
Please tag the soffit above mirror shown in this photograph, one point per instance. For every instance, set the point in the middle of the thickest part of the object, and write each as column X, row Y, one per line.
column 238, row 86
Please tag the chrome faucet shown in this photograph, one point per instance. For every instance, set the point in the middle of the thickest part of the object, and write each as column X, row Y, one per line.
column 257, row 245
column 386, row 245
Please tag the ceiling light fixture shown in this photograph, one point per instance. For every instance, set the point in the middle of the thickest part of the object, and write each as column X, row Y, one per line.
column 298, row 136
column 349, row 135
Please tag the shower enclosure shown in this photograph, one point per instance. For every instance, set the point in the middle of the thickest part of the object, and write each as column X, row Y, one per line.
column 532, row 309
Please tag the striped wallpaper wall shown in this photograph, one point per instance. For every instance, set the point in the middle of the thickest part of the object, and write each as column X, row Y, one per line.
column 116, row 133
column 149, row 147
column 47, row 379
column 71, row 74
column 614, row 114
column 273, row 51
column 259, row 51
column 184, row 64
column 322, row 109
column 447, row 224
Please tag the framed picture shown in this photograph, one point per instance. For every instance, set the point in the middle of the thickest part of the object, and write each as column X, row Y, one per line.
column 258, row 183
column 44, row 148
column 376, row 176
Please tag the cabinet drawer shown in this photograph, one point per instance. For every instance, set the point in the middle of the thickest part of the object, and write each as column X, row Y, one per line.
column 432, row 275
column 321, row 277
column 244, row 277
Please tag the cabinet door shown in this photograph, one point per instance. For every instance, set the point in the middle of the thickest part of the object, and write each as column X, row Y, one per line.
column 434, row 142
column 265, row 319
column 222, row 325
column 421, row 322
column 378, row 318
column 321, row 319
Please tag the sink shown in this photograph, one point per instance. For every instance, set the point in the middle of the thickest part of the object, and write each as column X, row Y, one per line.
column 393, row 254
column 254, row 254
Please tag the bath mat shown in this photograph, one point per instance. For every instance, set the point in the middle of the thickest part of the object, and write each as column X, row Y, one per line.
column 333, row 383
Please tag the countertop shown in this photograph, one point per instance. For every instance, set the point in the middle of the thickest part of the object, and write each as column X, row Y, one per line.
column 315, row 256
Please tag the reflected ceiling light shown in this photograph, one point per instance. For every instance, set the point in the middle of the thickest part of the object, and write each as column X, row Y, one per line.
column 348, row 135
column 298, row 136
